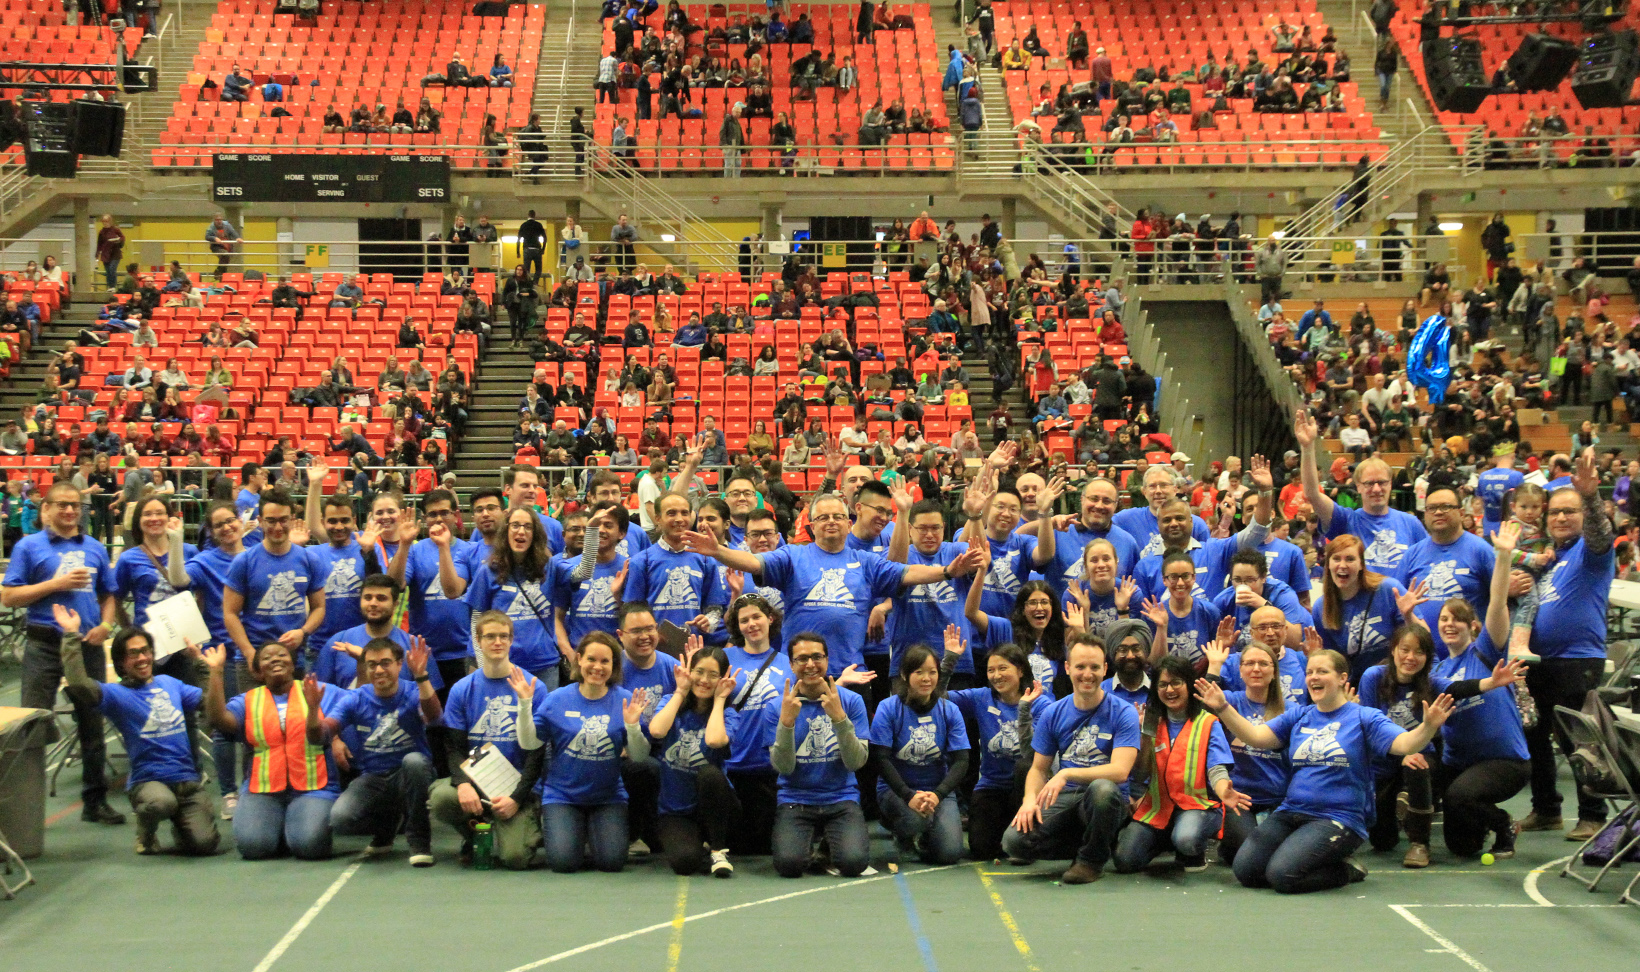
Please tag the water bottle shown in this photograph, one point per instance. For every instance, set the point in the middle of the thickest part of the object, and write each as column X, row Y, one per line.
column 483, row 848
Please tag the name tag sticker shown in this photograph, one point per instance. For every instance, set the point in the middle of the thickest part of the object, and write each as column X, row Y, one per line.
column 573, row 715
column 993, row 710
column 925, row 718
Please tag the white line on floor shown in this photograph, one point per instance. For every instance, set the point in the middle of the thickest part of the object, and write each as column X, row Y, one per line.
column 590, row 946
column 1447, row 945
column 307, row 919
column 1529, row 885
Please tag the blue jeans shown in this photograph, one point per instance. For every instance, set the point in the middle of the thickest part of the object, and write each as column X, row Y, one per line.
column 1384, row 82
column 1186, row 832
column 939, row 837
column 374, row 803
column 109, row 270
column 267, row 823
column 843, row 824
column 1296, row 854
column 567, row 829
column 1082, row 824
column 224, row 750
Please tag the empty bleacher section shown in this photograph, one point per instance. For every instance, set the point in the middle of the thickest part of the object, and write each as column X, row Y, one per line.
column 370, row 54
column 903, row 64
column 1180, row 35
column 1507, row 114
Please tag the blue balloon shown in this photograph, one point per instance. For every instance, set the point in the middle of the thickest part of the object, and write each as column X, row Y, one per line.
column 1429, row 364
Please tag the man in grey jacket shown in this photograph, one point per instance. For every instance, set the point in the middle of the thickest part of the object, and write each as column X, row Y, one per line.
column 222, row 237
column 1270, row 263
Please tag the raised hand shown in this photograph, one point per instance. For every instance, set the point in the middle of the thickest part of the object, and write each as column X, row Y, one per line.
column 970, row 560
column 733, row 579
column 1260, row 468
column 408, row 528
column 299, row 533
column 701, row 542
column 67, row 618
column 1049, row 495
column 1507, row 672
column 790, row 704
column 1154, row 612
column 696, row 450
column 1304, row 429
column 854, row 676
column 831, row 702
column 1408, row 601
column 617, row 584
column 440, row 535
column 954, row 643
column 727, row 684
column 903, row 500
column 523, row 685
column 312, row 691
column 1125, row 592
column 835, row 459
column 1312, row 641
column 1076, row 614
column 1436, row 712
column 1003, row 455
column 352, row 650
column 1505, row 539
column 1586, row 478
column 632, row 708
column 418, row 656
column 1210, row 694
column 369, row 536
column 316, row 474
column 216, row 658
column 1031, row 694
column 173, row 529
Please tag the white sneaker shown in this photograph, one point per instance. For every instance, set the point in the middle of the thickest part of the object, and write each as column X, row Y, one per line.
column 377, row 850
column 421, row 858
column 637, row 848
column 721, row 868
column 230, row 803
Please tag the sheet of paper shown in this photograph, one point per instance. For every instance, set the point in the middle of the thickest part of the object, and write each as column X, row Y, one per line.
column 174, row 621
column 491, row 773
column 673, row 639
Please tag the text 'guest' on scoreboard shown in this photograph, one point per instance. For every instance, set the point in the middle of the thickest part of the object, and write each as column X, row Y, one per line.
column 267, row 177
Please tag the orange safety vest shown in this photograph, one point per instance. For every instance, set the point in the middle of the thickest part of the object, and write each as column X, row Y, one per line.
column 281, row 757
column 1179, row 780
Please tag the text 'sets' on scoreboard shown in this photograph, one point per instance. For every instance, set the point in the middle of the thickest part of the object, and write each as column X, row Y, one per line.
column 255, row 177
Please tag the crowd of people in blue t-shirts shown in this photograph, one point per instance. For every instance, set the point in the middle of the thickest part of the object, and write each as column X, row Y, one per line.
column 1101, row 687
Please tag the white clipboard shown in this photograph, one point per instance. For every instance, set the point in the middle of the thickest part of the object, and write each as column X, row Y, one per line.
column 489, row 770
column 174, row 621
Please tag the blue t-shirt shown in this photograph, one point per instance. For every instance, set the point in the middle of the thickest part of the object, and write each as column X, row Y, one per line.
column 1136, row 697
column 819, row 778
column 341, row 571
column 1000, row 631
column 1187, row 634
column 1066, row 566
column 555, row 532
column 534, row 646
column 747, row 750
column 590, row 605
column 1011, row 567
column 584, row 738
column 341, row 669
column 877, row 545
column 1370, row 617
column 1102, row 607
column 1142, row 526
column 1284, row 562
column 246, row 504
column 637, row 541
column 660, row 678
column 1572, row 595
column 207, row 576
column 920, row 744
column 1276, row 593
column 1331, row 755
column 1290, row 673
column 329, row 701
column 1387, row 536
column 445, row 623
column 1484, row 726
column 1085, row 738
column 39, row 557
column 275, row 588
column 151, row 721
column 830, row 593
column 1402, row 708
column 678, row 584
column 921, row 612
column 683, row 752
column 1462, row 568
column 136, row 577
column 1492, row 487
column 1259, row 773
column 486, row 709
column 1212, row 561
column 380, row 732
column 998, row 725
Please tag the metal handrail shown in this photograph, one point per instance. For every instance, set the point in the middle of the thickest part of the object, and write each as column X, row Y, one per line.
column 1542, row 151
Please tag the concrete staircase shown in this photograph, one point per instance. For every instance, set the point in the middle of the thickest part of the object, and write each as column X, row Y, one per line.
column 173, row 55
column 499, row 383
column 570, row 50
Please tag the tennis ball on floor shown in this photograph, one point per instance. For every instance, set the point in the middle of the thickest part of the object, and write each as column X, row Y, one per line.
column 1488, row 860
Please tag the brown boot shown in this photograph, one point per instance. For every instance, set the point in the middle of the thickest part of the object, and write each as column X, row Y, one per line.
column 1535, row 821
column 1584, row 830
column 1080, row 873
column 1417, row 856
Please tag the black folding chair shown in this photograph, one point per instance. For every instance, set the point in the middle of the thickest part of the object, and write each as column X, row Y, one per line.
column 1583, row 732
column 1628, row 739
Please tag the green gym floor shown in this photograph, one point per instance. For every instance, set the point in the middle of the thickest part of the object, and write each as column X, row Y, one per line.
column 95, row 904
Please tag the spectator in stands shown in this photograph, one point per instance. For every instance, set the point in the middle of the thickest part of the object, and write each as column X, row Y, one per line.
column 500, row 74
column 608, row 89
column 235, row 86
column 139, row 375
column 110, row 247
column 285, row 295
column 223, row 239
column 731, row 136
column 519, row 297
column 623, row 237
column 1016, row 58
column 1076, row 46
column 333, row 122
column 458, row 244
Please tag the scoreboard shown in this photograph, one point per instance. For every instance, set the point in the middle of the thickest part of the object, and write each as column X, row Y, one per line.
column 267, row 177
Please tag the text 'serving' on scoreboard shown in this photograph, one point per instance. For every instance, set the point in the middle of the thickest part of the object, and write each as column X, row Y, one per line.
column 265, row 177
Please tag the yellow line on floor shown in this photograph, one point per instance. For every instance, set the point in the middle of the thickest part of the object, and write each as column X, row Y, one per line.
column 1008, row 922
column 674, row 948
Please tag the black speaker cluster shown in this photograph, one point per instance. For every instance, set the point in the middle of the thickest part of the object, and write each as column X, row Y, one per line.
column 1606, row 70
column 1456, row 75
column 59, row 132
column 1542, row 62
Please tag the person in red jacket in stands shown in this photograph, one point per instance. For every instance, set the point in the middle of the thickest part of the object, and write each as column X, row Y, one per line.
column 219, row 443
column 1144, row 251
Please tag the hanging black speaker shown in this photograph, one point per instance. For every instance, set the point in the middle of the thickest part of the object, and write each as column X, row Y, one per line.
column 1606, row 70
column 49, row 128
column 1542, row 62
column 1456, row 74
column 99, row 127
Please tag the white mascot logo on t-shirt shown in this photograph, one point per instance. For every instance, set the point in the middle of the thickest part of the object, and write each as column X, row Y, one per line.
column 592, row 741
column 1321, row 746
column 820, row 742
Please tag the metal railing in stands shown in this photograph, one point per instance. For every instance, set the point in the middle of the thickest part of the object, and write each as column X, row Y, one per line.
column 1389, row 179
column 1483, row 151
